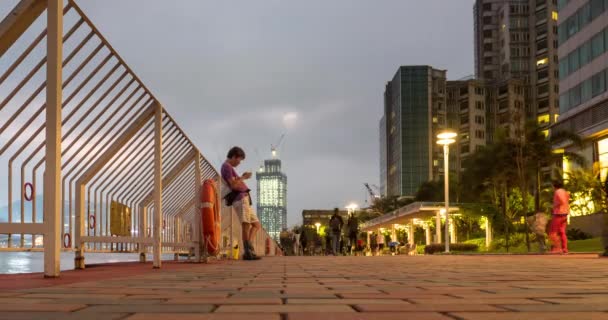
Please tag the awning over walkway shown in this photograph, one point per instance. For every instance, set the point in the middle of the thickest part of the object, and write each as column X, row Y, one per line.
column 417, row 211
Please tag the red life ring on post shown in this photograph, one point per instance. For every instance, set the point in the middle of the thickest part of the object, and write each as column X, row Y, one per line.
column 67, row 237
column 30, row 186
column 267, row 246
column 92, row 221
column 210, row 215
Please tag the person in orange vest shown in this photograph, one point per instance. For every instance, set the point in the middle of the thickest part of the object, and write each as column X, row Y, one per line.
column 240, row 200
column 559, row 219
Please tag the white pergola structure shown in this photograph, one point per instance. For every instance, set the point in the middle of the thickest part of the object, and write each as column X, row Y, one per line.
column 417, row 213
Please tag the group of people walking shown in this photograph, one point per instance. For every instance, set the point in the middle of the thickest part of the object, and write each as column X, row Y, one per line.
column 343, row 237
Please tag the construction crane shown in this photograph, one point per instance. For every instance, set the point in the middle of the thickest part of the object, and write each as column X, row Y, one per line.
column 372, row 195
column 275, row 147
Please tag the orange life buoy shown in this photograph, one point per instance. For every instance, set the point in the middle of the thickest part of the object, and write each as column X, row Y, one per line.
column 267, row 246
column 210, row 213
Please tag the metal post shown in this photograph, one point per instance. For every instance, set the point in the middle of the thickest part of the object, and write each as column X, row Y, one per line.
column 79, row 226
column 199, row 240
column 438, row 227
column 143, row 227
column 52, row 178
column 446, row 169
column 488, row 233
column 158, row 183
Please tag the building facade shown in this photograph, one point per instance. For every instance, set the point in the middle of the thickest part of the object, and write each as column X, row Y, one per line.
column 272, row 197
column 583, row 71
column 414, row 112
column 518, row 40
column 478, row 108
column 383, row 161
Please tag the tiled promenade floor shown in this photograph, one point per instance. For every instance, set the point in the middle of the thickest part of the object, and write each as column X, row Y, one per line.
column 330, row 288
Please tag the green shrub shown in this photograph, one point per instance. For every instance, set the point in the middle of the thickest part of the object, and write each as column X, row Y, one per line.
column 455, row 247
column 577, row 234
column 515, row 240
column 420, row 249
column 480, row 242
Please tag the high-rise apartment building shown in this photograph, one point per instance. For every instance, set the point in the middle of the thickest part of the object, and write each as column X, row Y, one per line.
column 272, row 197
column 414, row 112
column 477, row 109
column 518, row 40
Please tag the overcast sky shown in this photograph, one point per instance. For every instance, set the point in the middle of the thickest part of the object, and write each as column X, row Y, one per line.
column 244, row 72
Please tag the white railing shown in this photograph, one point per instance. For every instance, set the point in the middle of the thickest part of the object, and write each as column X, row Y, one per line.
column 86, row 149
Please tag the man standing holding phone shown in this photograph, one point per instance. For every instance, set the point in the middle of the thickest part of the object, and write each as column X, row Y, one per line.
column 240, row 200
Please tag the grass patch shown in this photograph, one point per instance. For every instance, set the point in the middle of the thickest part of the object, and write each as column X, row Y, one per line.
column 589, row 245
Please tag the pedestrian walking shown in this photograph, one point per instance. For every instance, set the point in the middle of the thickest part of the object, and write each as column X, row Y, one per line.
column 559, row 219
column 352, row 226
column 538, row 225
column 380, row 242
column 335, row 224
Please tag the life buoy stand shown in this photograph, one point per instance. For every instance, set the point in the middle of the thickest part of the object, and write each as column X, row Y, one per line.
column 28, row 186
column 210, row 215
column 67, row 240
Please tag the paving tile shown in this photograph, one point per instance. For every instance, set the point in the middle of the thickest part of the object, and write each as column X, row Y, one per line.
column 285, row 308
column 26, row 301
column 71, row 295
column 345, row 301
column 371, row 316
column 531, row 315
column 490, row 301
column 58, row 316
column 37, row 307
column 159, row 308
column 425, row 307
column 210, row 316
column 231, row 300
column 559, row 307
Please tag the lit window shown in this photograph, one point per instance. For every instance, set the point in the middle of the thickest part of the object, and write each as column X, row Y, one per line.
column 602, row 148
column 543, row 119
column 435, row 163
column 435, row 120
column 554, row 15
column 542, row 62
column 556, row 116
column 545, row 133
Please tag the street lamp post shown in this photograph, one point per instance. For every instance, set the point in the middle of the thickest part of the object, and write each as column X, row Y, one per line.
column 446, row 138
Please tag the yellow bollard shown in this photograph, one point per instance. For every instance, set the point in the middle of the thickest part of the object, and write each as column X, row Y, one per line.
column 235, row 252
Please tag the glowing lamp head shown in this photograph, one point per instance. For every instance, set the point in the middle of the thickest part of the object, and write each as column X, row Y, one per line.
column 445, row 142
column 446, row 135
